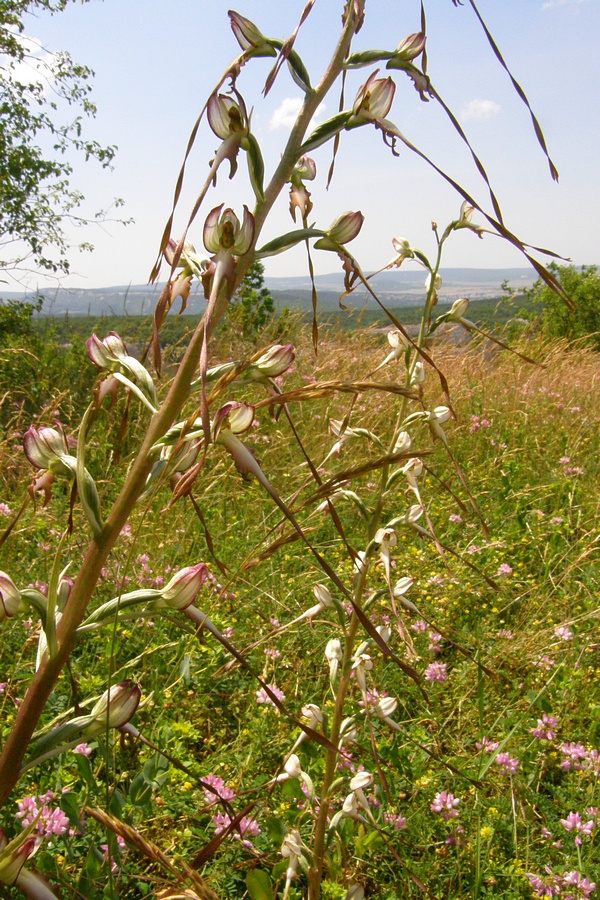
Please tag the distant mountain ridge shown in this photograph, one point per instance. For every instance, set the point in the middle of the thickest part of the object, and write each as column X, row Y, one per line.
column 400, row 287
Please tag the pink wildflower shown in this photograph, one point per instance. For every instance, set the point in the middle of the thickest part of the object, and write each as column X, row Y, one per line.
column 446, row 803
column 436, row 671
column 545, row 729
column 508, row 763
column 263, row 697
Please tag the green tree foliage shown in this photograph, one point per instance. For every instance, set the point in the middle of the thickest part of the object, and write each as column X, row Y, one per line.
column 583, row 287
column 253, row 305
column 37, row 91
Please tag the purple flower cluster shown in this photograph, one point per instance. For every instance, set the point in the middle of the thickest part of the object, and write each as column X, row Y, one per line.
column 52, row 820
column 574, row 885
column 575, row 823
column 263, row 697
column 436, row 671
column 446, row 804
column 546, row 728
column 220, row 790
column 245, row 829
column 579, row 758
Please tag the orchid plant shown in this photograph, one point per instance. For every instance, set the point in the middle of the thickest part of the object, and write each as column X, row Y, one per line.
column 197, row 415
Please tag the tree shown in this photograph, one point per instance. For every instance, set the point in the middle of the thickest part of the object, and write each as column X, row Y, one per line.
column 252, row 305
column 37, row 89
column 582, row 285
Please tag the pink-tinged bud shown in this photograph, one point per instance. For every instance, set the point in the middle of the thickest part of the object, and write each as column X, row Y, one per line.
column 226, row 116
column 222, row 231
column 184, row 586
column 458, row 309
column 249, row 37
column 273, row 362
column 44, row 446
column 234, row 417
column 108, row 353
column 411, row 47
column 12, row 865
column 346, row 227
column 115, row 707
column 65, row 586
column 374, row 99
column 10, row 597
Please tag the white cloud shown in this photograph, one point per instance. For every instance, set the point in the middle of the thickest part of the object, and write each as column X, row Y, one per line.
column 480, row 109
column 287, row 112
column 553, row 4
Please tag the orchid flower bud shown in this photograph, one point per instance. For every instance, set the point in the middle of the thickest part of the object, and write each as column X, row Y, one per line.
column 404, row 584
column 418, row 375
column 346, row 227
column 46, row 448
column 107, row 353
column 183, row 588
column 458, row 310
column 233, row 417
column 411, row 47
column 436, row 281
column 374, row 99
column 11, row 866
column 223, row 231
column 10, row 597
column 273, row 362
column 333, row 650
column 403, row 443
column 384, row 632
column 226, row 116
column 249, row 37
column 293, row 768
column 115, row 707
column 333, row 655
column 350, row 805
column 355, row 892
column 361, row 780
column 322, row 595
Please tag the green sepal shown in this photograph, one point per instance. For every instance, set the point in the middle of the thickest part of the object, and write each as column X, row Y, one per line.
column 285, row 241
column 366, row 57
column 325, row 132
column 256, row 166
column 299, row 72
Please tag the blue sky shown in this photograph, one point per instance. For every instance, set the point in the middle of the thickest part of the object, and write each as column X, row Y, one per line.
column 156, row 63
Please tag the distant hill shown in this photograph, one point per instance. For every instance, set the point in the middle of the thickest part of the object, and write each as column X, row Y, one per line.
column 403, row 287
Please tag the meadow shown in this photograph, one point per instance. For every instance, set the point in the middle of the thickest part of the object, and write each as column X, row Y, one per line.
column 485, row 784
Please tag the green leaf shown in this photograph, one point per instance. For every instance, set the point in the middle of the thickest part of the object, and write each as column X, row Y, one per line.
column 140, row 793
column 259, row 885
